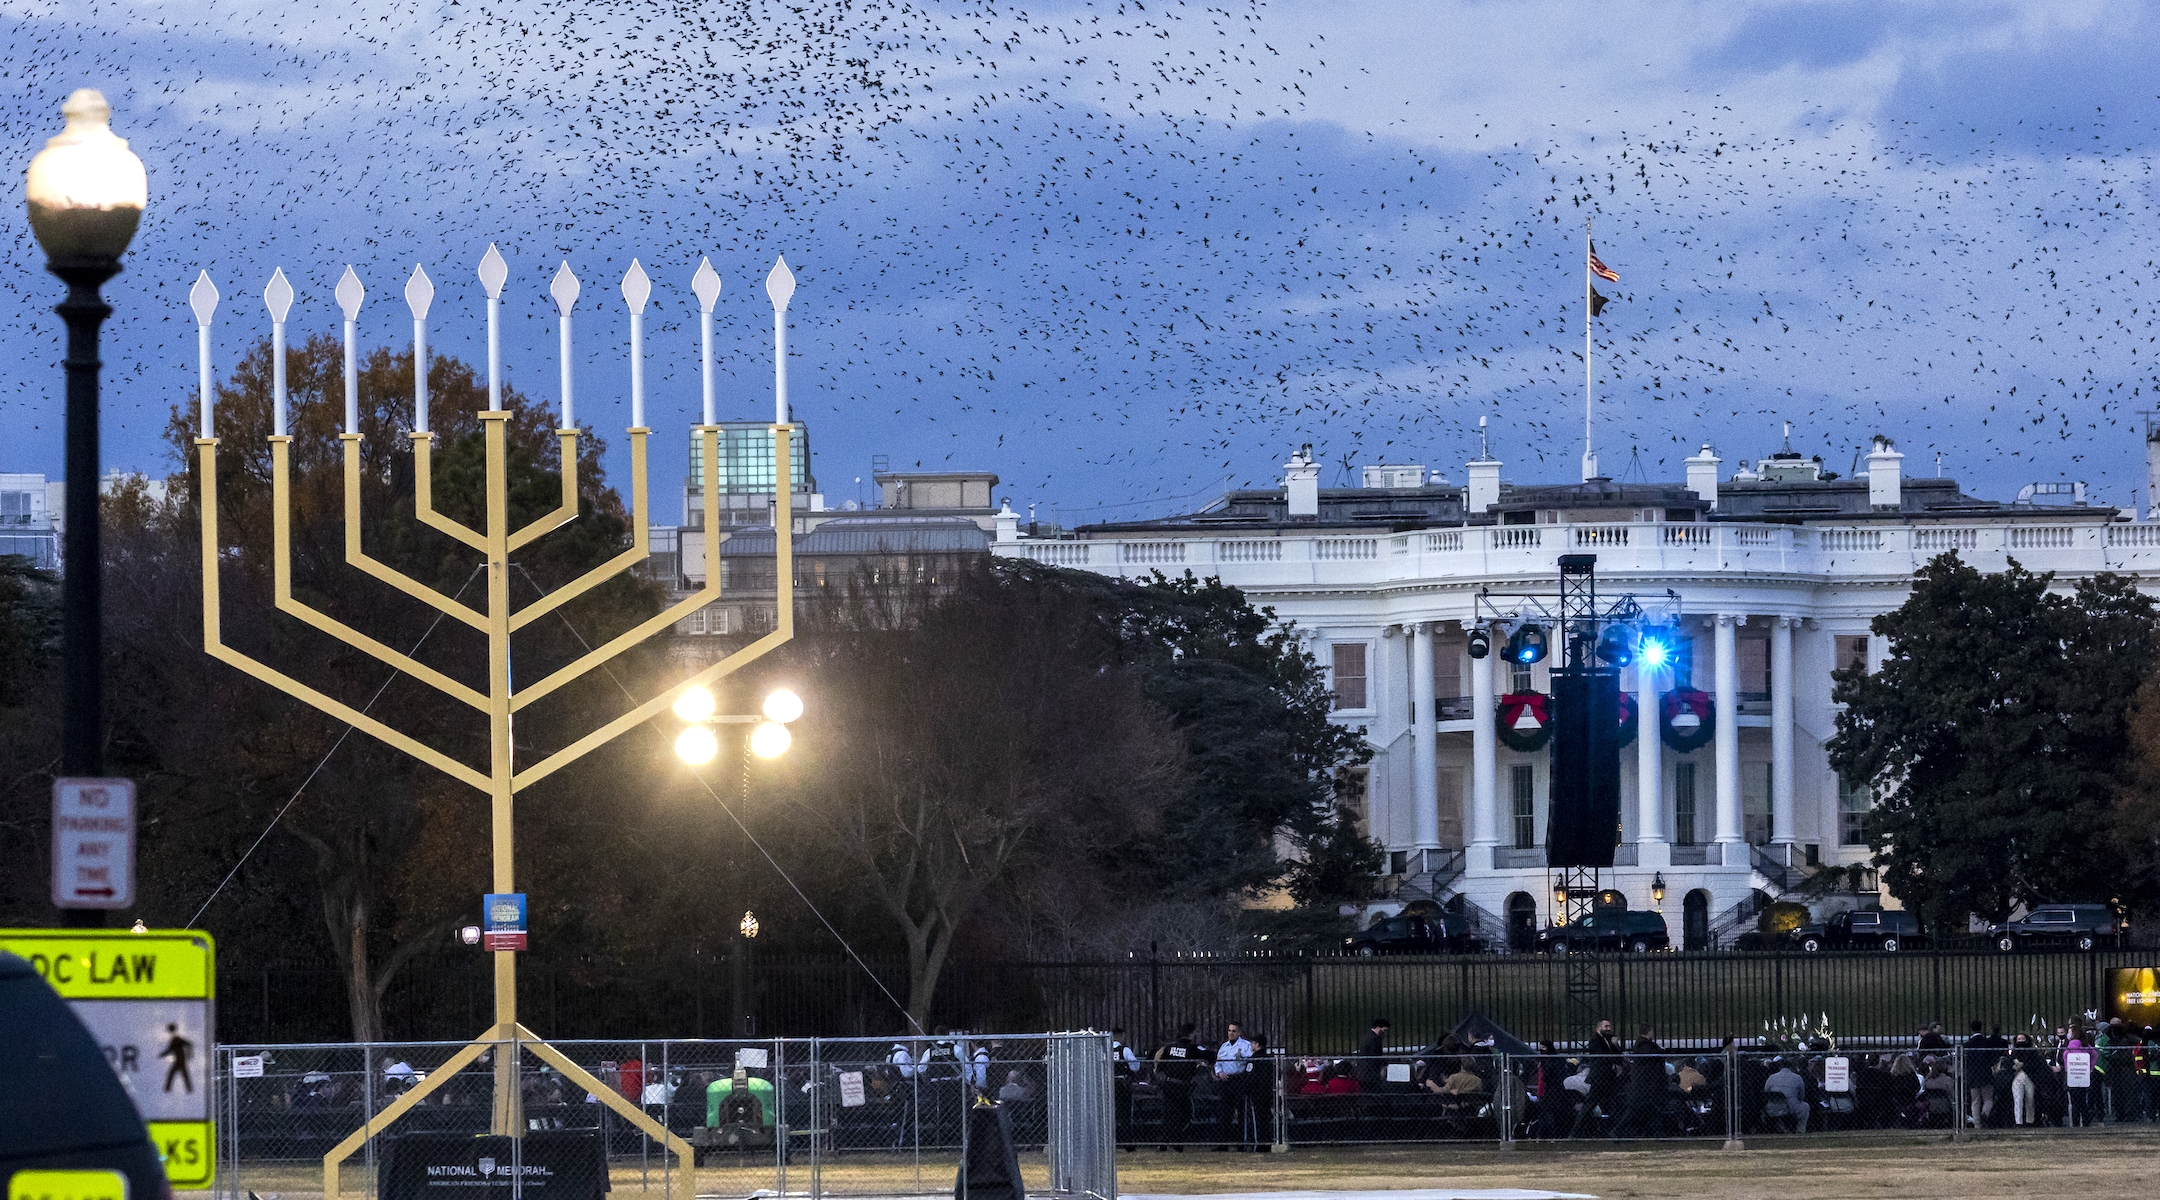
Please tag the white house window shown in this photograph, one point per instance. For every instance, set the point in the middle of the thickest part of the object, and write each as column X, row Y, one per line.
column 1851, row 652
column 1350, row 675
column 1522, row 781
column 1755, row 802
column 1853, row 801
column 1683, row 794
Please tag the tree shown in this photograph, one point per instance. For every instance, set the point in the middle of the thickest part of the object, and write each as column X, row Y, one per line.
column 966, row 738
column 1996, row 737
column 1252, row 706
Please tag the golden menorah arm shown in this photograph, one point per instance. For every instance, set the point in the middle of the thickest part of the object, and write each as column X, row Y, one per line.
column 357, row 557
column 566, row 511
column 281, row 574
column 784, row 623
column 214, row 645
column 710, row 437
column 423, row 452
column 640, row 541
column 609, row 1096
column 397, row 1108
column 646, row 711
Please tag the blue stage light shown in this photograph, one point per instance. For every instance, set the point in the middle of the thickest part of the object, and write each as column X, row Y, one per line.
column 1653, row 652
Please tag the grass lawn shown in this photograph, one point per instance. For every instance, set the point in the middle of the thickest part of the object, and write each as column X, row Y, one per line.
column 2097, row 1165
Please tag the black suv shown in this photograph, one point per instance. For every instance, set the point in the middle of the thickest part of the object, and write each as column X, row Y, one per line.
column 1414, row 933
column 1888, row 930
column 1607, row 929
column 2083, row 926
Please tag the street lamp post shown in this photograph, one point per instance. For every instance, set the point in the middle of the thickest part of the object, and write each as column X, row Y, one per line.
column 697, row 745
column 86, row 193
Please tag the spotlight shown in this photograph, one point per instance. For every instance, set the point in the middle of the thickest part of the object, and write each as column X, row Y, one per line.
column 695, row 705
column 697, row 745
column 1616, row 646
column 1480, row 642
column 1654, row 651
column 1528, row 645
column 783, row 706
column 769, row 740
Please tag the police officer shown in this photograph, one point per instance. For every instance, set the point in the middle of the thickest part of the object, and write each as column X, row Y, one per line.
column 1177, row 1064
column 1233, row 1079
column 903, row 1070
column 943, row 1075
column 1124, row 1064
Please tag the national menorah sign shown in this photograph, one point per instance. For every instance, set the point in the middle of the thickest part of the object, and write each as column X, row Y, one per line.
column 503, row 777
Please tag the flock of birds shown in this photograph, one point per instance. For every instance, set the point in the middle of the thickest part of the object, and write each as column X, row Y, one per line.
column 1103, row 251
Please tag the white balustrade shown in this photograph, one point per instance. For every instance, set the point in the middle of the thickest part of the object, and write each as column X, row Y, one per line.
column 1687, row 535
column 2042, row 537
column 1743, row 535
column 1058, row 554
column 1346, row 549
column 2133, row 536
column 1601, row 535
column 1152, row 553
column 1837, row 540
column 1516, row 537
column 1253, row 551
column 1937, row 540
column 1445, row 542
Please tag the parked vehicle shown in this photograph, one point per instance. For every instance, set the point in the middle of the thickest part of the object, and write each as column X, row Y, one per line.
column 2081, row 926
column 1608, row 929
column 1415, row 933
column 63, row 1107
column 1887, row 930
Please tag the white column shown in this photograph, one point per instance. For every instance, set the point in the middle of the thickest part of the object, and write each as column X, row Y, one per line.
column 1484, row 762
column 1425, row 764
column 1727, row 693
column 1781, row 730
column 1649, row 763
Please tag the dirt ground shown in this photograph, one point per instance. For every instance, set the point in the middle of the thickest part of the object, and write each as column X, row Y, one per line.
column 2101, row 1165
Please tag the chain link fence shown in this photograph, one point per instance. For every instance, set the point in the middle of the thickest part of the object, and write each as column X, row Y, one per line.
column 828, row 1116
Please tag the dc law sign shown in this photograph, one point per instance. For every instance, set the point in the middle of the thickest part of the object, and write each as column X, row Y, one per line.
column 148, row 1000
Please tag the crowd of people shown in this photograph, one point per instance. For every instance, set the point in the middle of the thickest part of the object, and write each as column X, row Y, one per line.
column 2078, row 1074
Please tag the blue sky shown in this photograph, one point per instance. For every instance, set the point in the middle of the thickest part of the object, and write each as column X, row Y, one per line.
column 1126, row 255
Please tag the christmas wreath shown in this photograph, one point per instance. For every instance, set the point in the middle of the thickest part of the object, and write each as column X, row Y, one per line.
column 1524, row 720
column 1629, row 720
column 1686, row 719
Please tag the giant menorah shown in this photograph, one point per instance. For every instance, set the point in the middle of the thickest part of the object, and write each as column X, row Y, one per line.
column 500, row 701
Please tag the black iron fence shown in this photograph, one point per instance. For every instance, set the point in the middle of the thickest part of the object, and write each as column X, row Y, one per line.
column 1311, row 1005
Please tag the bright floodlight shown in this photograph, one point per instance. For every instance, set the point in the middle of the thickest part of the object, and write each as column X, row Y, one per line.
column 695, row 705
column 770, row 740
column 697, row 745
column 1653, row 652
column 783, row 706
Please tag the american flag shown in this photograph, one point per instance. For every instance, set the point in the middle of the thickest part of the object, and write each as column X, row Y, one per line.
column 1599, row 269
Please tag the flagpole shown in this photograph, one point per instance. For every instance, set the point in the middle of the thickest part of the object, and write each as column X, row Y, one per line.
column 1589, row 455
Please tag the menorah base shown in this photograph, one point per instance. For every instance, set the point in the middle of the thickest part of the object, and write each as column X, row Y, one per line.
column 509, row 1042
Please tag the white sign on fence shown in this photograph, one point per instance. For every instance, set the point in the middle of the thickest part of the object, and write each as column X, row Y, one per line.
column 247, row 1066
column 2077, row 1068
column 1837, row 1074
column 753, row 1060
column 851, row 1090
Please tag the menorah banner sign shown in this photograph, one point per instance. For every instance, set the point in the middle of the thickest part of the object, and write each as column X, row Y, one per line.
column 2133, row 994
column 502, row 777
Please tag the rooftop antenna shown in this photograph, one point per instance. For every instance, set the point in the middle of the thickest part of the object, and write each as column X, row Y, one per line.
column 1635, row 467
column 1938, row 464
column 1788, row 437
column 1484, row 440
column 1343, row 477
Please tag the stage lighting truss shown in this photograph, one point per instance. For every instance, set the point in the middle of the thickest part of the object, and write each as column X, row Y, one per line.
column 1523, row 627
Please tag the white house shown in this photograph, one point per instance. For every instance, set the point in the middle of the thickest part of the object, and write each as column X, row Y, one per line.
column 1779, row 569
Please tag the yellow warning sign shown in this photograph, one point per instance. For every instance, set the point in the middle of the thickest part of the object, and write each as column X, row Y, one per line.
column 188, row 1151
column 67, row 1185
column 115, row 964
column 146, row 998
